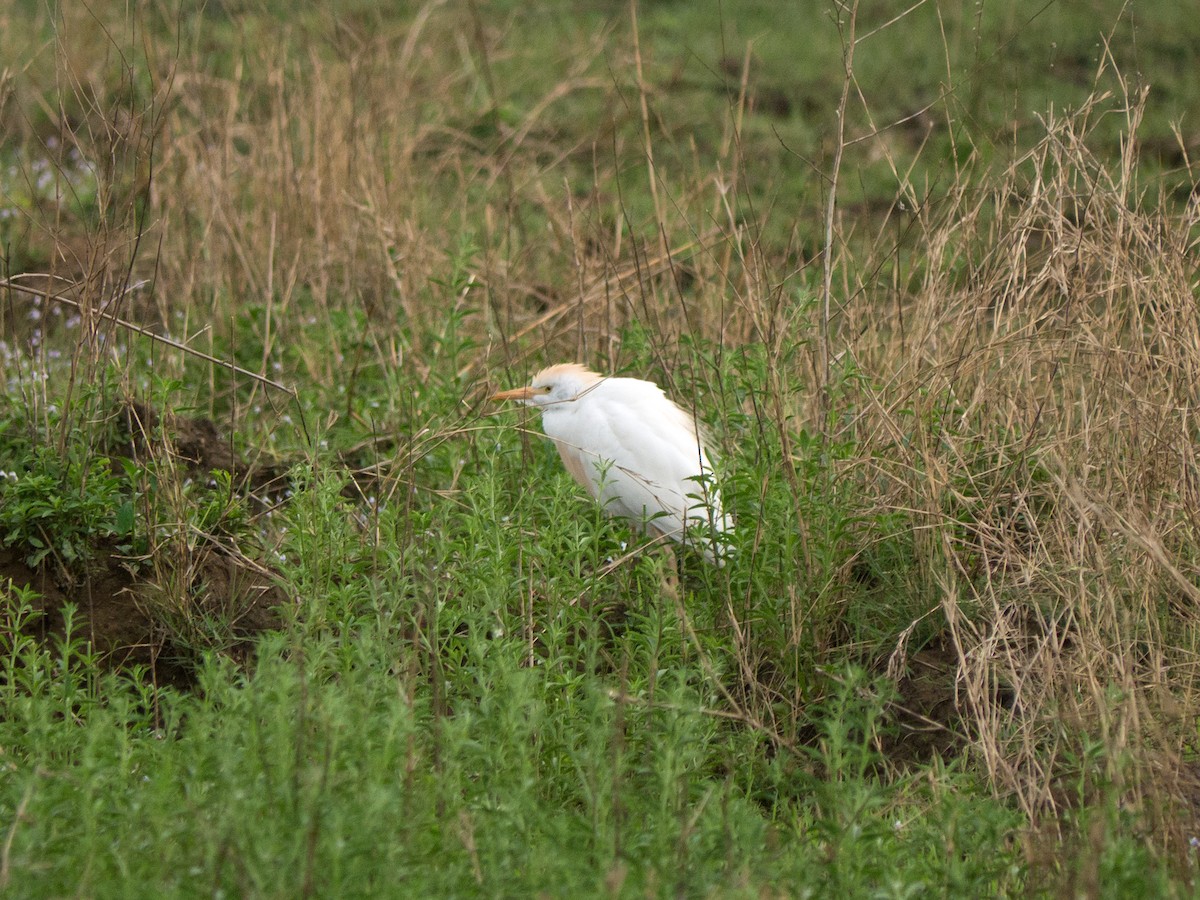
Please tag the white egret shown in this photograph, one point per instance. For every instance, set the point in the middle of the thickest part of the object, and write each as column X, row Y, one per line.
column 637, row 453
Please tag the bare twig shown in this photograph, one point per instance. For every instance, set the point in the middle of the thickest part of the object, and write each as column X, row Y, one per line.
column 56, row 297
column 847, row 28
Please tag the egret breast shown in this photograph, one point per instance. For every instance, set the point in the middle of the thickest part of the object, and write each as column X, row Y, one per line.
column 575, row 463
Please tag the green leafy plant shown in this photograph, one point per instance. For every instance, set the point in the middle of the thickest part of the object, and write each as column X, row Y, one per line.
column 51, row 507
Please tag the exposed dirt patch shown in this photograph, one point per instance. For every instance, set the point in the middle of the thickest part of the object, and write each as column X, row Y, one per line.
column 198, row 446
column 927, row 718
column 188, row 596
column 131, row 618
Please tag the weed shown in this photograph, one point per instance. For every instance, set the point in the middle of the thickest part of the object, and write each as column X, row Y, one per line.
column 62, row 509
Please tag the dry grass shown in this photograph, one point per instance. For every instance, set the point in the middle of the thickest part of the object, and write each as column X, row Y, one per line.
column 1032, row 413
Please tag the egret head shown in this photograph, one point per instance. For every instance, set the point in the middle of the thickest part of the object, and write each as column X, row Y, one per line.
column 556, row 385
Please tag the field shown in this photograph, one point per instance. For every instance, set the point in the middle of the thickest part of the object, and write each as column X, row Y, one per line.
column 289, row 609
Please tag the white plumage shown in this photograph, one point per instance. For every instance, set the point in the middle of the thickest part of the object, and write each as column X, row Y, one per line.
column 637, row 453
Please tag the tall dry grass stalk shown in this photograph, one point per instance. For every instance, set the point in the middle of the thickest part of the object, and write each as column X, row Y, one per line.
column 305, row 183
column 363, row 183
column 1033, row 413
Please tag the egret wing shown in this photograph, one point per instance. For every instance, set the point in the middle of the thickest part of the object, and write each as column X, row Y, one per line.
column 648, row 455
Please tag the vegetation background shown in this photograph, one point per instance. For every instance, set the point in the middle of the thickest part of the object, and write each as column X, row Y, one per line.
column 287, row 610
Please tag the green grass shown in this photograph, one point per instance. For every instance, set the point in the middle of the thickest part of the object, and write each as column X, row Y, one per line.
column 954, row 650
column 331, row 769
column 463, row 703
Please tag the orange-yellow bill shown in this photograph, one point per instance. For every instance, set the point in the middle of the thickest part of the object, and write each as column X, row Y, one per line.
column 521, row 393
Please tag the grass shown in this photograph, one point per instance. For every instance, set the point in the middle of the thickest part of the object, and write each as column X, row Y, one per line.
column 288, row 610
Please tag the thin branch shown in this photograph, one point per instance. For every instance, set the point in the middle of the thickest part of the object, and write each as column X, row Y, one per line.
column 11, row 284
column 831, row 205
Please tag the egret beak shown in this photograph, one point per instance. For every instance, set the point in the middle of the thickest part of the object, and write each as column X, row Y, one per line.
column 524, row 394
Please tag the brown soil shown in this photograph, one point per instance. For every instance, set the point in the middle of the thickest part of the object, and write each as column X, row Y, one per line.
column 160, row 612
column 198, row 446
column 121, row 615
column 926, row 716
